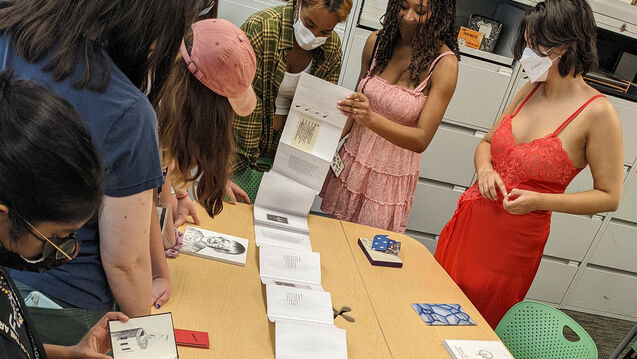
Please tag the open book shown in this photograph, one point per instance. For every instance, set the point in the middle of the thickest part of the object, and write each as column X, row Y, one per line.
column 311, row 134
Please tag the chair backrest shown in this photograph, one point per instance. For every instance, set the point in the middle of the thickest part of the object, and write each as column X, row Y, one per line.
column 532, row 330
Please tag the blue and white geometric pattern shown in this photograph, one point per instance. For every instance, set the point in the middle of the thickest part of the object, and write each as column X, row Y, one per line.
column 442, row 314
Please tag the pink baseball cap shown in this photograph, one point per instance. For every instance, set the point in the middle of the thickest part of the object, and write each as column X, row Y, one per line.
column 223, row 60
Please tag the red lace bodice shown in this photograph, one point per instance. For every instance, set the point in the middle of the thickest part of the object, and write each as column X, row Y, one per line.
column 541, row 165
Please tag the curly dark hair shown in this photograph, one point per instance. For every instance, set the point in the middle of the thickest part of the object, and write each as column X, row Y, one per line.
column 440, row 28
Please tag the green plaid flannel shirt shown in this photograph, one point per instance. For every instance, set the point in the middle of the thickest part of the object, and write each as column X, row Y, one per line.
column 272, row 36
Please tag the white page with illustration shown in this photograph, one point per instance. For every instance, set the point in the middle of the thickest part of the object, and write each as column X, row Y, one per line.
column 289, row 265
column 315, row 124
column 284, row 302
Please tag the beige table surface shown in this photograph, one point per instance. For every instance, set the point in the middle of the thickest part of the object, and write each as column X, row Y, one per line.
column 228, row 301
column 420, row 280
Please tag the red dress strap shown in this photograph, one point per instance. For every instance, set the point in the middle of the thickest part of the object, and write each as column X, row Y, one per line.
column 526, row 99
column 572, row 117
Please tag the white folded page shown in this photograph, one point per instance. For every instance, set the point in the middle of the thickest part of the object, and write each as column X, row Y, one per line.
column 283, row 194
column 296, row 340
column 285, row 221
column 290, row 265
column 276, row 237
column 285, row 302
column 314, row 123
column 301, row 166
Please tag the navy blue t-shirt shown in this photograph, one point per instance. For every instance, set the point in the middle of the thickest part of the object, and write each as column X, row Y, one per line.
column 123, row 126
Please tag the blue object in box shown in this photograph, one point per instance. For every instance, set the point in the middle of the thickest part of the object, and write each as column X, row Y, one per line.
column 442, row 314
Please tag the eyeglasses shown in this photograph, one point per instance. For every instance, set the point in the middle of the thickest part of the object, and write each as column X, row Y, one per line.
column 63, row 246
column 207, row 9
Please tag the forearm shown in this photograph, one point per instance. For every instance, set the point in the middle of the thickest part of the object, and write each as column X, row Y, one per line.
column 482, row 157
column 131, row 286
column 125, row 250
column 412, row 138
column 348, row 128
column 57, row 352
column 587, row 202
column 157, row 256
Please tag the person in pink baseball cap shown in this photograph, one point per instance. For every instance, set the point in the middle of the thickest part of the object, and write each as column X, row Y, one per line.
column 209, row 82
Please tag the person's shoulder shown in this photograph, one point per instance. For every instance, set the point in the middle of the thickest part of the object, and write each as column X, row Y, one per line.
column 600, row 111
column 264, row 17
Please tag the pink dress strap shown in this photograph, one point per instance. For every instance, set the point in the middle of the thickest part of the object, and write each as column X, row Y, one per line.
column 572, row 117
column 431, row 69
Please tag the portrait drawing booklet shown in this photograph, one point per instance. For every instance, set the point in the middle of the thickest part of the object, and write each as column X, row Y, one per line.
column 216, row 246
column 289, row 265
column 148, row 337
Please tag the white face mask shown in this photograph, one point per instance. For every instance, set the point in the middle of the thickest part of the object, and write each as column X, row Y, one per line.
column 304, row 37
column 536, row 66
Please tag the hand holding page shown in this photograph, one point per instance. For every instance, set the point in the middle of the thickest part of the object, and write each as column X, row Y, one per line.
column 314, row 124
column 149, row 337
column 289, row 265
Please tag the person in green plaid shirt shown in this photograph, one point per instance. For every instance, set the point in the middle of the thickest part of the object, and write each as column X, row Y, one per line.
column 287, row 40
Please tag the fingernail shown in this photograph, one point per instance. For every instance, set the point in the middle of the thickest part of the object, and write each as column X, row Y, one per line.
column 157, row 306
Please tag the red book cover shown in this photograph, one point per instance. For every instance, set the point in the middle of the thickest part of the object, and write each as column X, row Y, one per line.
column 192, row 338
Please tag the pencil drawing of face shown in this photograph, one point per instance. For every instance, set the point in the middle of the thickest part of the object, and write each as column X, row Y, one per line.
column 218, row 243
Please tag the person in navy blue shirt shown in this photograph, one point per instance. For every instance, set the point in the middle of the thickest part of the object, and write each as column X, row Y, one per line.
column 103, row 57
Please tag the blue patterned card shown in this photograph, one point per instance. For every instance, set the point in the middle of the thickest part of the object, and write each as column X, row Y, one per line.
column 442, row 314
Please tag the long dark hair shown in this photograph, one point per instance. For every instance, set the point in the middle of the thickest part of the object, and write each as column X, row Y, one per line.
column 439, row 29
column 567, row 23
column 77, row 31
column 195, row 133
column 49, row 168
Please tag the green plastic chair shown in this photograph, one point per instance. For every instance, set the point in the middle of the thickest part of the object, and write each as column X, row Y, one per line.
column 532, row 330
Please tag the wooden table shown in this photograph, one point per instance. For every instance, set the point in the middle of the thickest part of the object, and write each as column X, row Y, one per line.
column 228, row 301
column 420, row 280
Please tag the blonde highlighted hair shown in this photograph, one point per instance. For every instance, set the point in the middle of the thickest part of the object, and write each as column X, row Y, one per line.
column 340, row 7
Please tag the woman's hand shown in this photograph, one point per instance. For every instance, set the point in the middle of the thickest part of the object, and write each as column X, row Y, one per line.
column 185, row 208
column 489, row 182
column 520, row 201
column 96, row 343
column 356, row 106
column 161, row 291
column 235, row 192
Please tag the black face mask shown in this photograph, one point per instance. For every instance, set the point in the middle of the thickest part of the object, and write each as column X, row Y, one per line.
column 52, row 258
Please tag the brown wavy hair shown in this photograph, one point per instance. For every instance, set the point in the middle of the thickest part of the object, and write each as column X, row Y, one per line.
column 195, row 133
column 439, row 29
column 561, row 23
column 77, row 31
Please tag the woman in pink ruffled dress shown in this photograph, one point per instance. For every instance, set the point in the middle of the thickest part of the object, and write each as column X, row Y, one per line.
column 406, row 83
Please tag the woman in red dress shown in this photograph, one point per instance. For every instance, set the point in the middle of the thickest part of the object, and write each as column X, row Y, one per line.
column 554, row 127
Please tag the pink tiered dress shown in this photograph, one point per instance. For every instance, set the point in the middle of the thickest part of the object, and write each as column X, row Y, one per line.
column 377, row 185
